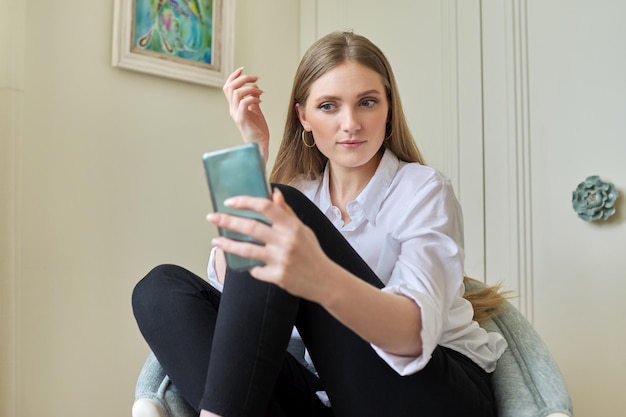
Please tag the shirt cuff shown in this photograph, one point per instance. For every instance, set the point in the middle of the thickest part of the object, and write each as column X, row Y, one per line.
column 211, row 274
column 408, row 365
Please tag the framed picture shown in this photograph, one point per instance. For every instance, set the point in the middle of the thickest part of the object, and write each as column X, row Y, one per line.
column 188, row 40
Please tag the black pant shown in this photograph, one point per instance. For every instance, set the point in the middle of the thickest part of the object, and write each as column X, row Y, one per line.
column 227, row 353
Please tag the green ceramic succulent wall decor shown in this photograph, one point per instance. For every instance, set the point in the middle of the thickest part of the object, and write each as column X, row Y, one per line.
column 594, row 199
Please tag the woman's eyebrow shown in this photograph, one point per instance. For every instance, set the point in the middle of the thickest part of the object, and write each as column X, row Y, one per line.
column 334, row 97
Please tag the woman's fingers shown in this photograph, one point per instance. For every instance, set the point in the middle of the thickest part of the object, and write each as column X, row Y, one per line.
column 236, row 80
column 236, row 73
column 241, row 248
column 242, row 99
column 239, row 85
column 275, row 209
column 243, row 225
column 251, row 227
column 279, row 199
column 278, row 213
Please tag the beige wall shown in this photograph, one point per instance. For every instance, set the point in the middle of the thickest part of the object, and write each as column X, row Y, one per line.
column 11, row 94
column 101, row 179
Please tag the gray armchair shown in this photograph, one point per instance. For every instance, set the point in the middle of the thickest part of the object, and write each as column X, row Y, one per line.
column 527, row 381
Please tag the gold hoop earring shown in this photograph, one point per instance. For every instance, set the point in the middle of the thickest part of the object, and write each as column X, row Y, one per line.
column 304, row 140
column 388, row 136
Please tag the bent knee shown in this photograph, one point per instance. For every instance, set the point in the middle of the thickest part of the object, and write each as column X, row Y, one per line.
column 154, row 287
column 294, row 197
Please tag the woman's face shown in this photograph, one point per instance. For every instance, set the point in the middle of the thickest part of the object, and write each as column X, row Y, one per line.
column 346, row 111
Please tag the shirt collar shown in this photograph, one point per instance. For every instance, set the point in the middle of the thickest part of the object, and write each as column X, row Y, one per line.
column 370, row 199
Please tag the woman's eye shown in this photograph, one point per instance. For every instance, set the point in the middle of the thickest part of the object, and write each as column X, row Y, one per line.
column 326, row 106
column 368, row 102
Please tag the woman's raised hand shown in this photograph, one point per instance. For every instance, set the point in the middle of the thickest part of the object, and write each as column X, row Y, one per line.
column 244, row 99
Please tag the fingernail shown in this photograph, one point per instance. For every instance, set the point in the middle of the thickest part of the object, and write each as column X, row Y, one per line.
column 228, row 202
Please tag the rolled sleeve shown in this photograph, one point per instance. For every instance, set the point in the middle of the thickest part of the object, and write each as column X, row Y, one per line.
column 407, row 365
column 429, row 268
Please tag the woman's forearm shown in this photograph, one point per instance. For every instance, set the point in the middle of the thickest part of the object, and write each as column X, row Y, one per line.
column 389, row 321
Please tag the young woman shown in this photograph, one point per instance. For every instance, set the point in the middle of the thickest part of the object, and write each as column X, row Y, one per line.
column 364, row 257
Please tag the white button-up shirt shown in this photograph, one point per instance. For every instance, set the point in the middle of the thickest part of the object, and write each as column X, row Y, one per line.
column 407, row 225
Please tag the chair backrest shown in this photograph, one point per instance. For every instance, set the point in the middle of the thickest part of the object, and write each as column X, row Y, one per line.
column 527, row 381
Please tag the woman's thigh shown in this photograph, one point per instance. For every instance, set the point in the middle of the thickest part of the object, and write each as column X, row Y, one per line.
column 359, row 383
column 295, row 391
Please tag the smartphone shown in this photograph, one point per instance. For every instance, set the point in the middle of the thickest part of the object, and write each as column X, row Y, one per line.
column 231, row 172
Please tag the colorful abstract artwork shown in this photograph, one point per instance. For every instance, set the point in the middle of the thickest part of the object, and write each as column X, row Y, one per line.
column 188, row 40
column 175, row 28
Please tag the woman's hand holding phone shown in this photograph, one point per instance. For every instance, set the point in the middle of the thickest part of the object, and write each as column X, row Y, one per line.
column 290, row 253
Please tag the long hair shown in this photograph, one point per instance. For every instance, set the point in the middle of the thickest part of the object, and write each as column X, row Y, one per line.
column 488, row 301
column 296, row 160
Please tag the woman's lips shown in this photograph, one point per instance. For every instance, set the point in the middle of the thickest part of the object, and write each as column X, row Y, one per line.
column 351, row 143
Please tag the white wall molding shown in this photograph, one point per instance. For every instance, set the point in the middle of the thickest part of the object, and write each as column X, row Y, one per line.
column 508, row 201
column 462, row 121
column 450, row 89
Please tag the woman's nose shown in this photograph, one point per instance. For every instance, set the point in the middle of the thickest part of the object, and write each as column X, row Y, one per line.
column 350, row 121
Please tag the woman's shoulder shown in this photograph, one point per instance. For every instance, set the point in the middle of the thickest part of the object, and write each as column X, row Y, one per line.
column 306, row 186
column 420, row 174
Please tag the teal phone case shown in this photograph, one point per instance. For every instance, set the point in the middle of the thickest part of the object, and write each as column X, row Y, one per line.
column 231, row 172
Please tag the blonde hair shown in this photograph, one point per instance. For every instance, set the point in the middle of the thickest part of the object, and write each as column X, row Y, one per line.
column 488, row 301
column 296, row 160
